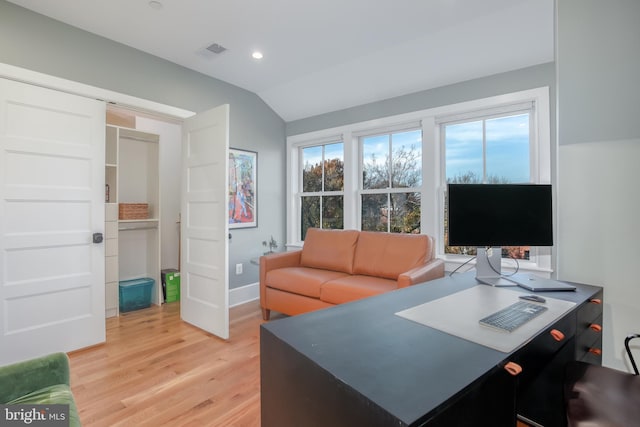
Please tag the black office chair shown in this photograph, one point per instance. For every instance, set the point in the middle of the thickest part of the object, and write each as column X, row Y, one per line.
column 600, row 396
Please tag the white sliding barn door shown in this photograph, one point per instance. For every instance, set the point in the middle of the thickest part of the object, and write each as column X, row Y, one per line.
column 51, row 202
column 204, row 281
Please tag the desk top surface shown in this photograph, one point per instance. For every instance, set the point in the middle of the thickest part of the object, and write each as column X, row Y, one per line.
column 402, row 366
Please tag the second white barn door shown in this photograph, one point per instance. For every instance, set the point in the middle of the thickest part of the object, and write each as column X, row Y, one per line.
column 204, row 294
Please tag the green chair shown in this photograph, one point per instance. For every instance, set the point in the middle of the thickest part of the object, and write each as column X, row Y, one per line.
column 44, row 380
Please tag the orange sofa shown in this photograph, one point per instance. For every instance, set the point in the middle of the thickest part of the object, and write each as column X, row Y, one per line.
column 338, row 266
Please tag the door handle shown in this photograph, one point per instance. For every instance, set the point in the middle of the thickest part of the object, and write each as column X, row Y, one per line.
column 97, row 237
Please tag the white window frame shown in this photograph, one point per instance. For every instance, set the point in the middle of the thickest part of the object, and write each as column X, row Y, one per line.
column 359, row 136
column 300, row 193
column 433, row 180
column 540, row 173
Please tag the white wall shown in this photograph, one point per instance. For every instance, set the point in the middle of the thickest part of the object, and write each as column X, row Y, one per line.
column 599, row 147
column 599, row 231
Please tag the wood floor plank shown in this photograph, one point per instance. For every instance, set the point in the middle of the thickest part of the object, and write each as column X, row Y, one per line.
column 157, row 370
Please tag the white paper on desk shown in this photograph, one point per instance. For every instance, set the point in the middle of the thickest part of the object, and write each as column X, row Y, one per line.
column 458, row 314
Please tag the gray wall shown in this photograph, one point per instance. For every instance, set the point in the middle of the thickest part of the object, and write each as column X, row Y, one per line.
column 598, row 62
column 34, row 42
column 598, row 49
column 527, row 78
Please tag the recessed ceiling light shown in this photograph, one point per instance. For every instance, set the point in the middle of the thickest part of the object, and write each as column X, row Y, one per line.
column 257, row 55
column 155, row 5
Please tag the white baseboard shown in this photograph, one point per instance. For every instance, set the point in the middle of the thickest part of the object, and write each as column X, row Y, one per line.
column 244, row 294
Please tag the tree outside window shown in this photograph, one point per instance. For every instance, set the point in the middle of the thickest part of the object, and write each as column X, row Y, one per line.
column 391, row 182
column 322, row 197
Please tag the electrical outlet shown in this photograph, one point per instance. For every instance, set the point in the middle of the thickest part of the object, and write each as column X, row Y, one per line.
column 238, row 268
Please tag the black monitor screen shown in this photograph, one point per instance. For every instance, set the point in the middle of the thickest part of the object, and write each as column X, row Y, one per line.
column 500, row 215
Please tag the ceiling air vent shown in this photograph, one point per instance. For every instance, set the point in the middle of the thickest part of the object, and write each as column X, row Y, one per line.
column 216, row 48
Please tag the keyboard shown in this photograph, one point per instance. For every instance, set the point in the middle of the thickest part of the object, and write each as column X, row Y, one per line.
column 512, row 317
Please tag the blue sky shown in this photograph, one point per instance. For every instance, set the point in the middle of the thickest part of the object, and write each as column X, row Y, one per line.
column 379, row 145
column 313, row 155
column 507, row 148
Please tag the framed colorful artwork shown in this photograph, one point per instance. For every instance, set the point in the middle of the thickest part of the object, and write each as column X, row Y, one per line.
column 243, row 212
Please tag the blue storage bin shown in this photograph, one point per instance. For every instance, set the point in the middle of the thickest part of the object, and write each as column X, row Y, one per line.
column 135, row 294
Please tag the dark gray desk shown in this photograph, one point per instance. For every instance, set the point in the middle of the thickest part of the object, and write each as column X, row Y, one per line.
column 358, row 364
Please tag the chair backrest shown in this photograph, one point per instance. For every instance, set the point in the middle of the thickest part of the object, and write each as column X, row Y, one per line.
column 628, row 348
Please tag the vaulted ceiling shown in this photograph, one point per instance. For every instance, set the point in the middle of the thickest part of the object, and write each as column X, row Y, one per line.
column 322, row 56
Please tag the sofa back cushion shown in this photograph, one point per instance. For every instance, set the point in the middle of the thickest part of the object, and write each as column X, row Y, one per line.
column 329, row 249
column 390, row 254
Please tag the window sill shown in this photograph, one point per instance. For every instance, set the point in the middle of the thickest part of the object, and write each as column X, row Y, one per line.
column 508, row 266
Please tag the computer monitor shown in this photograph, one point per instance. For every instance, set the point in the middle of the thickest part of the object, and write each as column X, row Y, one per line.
column 490, row 216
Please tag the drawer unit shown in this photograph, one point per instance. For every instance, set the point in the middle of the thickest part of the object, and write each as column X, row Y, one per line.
column 591, row 309
column 589, row 342
column 544, row 347
column 593, row 355
column 540, row 385
column 589, row 330
column 541, row 402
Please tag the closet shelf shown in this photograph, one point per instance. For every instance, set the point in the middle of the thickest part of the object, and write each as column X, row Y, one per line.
column 137, row 224
column 148, row 227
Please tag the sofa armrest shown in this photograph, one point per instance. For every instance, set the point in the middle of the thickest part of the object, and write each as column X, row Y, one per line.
column 274, row 261
column 25, row 377
column 434, row 269
column 280, row 260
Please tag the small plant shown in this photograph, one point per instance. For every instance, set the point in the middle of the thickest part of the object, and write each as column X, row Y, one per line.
column 271, row 244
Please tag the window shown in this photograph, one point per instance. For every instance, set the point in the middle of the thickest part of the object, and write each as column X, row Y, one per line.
column 488, row 150
column 494, row 150
column 322, row 195
column 391, row 182
column 390, row 174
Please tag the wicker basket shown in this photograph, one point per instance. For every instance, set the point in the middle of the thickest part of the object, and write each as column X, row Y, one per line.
column 133, row 211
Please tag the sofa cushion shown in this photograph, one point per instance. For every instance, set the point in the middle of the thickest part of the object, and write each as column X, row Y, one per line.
column 300, row 280
column 329, row 249
column 351, row 288
column 52, row 395
column 390, row 254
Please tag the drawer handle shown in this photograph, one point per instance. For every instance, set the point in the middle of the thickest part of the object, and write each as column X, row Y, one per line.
column 513, row 368
column 595, row 351
column 595, row 301
column 595, row 327
column 557, row 335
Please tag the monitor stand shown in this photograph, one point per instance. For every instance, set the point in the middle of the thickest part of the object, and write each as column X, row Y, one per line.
column 488, row 267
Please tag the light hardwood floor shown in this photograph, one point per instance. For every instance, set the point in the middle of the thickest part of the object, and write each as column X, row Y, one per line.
column 157, row 370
